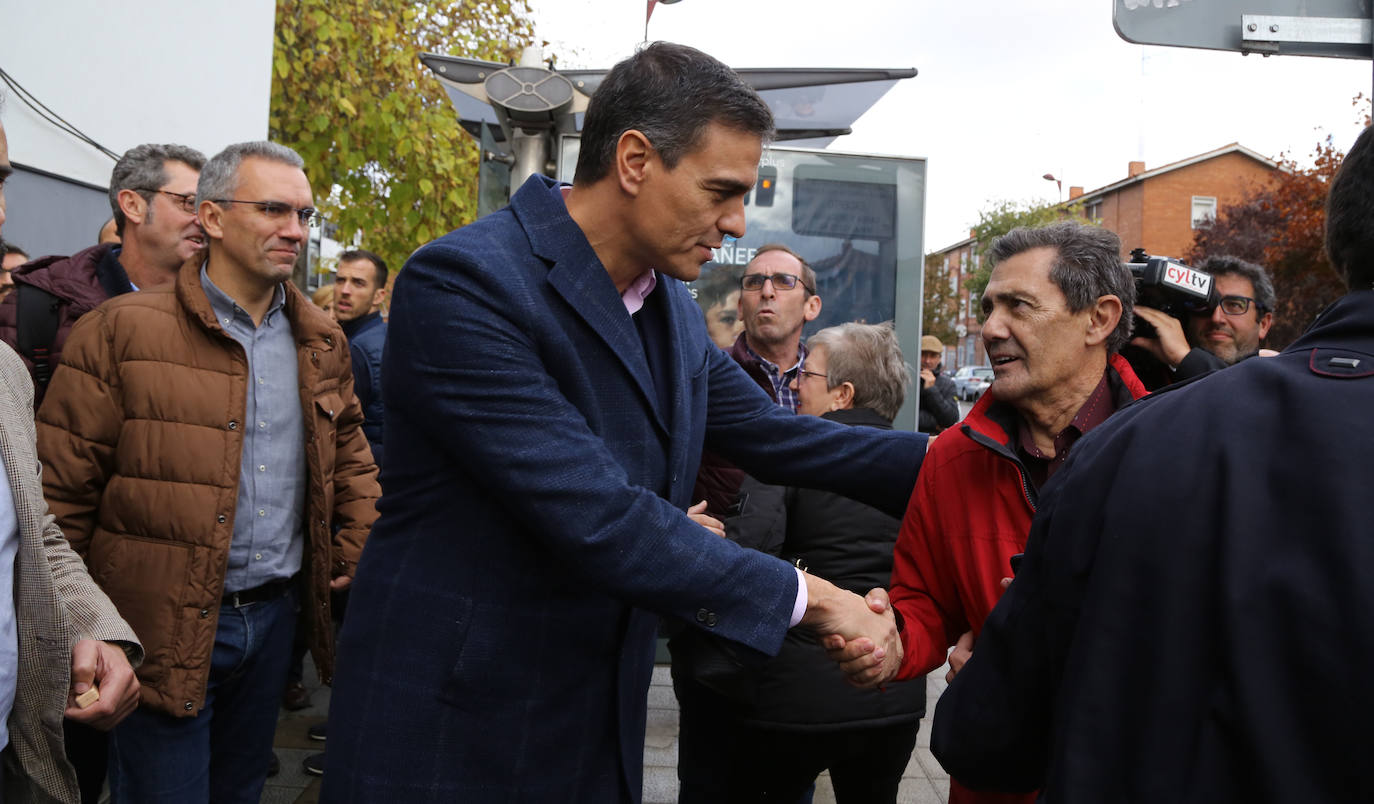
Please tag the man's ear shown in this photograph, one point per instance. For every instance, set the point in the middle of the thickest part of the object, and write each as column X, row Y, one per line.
column 211, row 217
column 633, row 153
column 811, row 307
column 1103, row 317
column 1266, row 321
column 133, row 205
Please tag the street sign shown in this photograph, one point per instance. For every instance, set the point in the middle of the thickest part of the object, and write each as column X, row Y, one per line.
column 1335, row 28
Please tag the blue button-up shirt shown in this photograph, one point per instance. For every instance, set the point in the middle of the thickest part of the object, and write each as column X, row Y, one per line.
column 268, row 534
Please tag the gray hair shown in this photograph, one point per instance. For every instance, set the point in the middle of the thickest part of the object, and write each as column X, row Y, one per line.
column 143, row 169
column 868, row 357
column 220, row 176
column 1226, row 265
column 1087, row 266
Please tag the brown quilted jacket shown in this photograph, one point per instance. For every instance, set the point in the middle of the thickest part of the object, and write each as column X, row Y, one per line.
column 140, row 437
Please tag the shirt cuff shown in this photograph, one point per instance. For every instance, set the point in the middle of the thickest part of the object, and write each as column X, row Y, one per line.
column 799, row 607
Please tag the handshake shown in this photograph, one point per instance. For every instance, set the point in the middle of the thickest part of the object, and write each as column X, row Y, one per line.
column 860, row 633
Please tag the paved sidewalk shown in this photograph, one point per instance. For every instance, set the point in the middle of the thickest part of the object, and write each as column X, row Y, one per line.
column 924, row 782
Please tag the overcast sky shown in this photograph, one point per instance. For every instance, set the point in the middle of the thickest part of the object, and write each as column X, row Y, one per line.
column 1006, row 91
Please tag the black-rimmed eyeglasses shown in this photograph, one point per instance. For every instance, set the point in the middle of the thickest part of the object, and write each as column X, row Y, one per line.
column 185, row 203
column 1231, row 305
column 277, row 210
column 780, row 282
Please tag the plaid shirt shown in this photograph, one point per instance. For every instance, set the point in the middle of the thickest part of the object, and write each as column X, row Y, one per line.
column 782, row 380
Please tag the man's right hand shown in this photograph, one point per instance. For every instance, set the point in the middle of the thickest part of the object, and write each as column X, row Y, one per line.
column 927, row 378
column 858, row 632
column 1170, row 345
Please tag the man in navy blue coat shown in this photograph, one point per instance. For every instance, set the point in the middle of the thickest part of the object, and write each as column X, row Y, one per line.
column 1192, row 619
column 547, row 388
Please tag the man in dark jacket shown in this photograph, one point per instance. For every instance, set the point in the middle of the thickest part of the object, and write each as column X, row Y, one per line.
column 1191, row 619
column 939, row 408
column 359, row 292
column 153, row 196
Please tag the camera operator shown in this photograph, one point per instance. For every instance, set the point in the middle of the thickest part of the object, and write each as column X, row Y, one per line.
column 1219, row 336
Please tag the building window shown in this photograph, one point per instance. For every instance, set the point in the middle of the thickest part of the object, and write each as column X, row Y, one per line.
column 1093, row 211
column 1204, row 210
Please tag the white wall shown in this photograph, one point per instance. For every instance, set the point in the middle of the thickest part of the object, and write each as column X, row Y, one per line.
column 126, row 72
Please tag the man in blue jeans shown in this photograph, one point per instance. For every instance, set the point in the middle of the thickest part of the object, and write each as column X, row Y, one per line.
column 198, row 441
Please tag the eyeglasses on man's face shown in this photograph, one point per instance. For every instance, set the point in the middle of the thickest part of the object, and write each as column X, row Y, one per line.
column 821, row 374
column 1230, row 305
column 780, row 281
column 185, row 203
column 278, row 210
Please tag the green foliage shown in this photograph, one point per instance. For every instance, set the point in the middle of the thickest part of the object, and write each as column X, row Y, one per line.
column 1002, row 217
column 381, row 142
column 940, row 308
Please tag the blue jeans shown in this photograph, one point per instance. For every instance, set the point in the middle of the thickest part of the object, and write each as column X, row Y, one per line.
column 222, row 754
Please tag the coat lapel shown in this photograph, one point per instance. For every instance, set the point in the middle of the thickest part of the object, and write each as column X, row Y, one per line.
column 578, row 276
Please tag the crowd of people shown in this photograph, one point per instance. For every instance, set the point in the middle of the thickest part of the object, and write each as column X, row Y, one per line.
column 1148, row 596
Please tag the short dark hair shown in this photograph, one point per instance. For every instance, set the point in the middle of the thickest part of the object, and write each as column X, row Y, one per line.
column 1350, row 214
column 143, row 169
column 808, row 274
column 7, row 248
column 1087, row 265
column 1226, row 265
column 669, row 93
column 363, row 254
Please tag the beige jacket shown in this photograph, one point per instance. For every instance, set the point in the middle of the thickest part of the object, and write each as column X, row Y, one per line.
column 56, row 604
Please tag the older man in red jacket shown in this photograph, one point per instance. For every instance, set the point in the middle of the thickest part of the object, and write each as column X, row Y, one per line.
column 1058, row 308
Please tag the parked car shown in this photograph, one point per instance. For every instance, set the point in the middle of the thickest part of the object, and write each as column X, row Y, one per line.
column 971, row 381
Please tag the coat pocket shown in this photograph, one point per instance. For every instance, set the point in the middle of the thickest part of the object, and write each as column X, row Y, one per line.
column 146, row 579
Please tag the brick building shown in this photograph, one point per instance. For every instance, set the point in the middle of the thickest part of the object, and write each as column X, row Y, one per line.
column 1157, row 210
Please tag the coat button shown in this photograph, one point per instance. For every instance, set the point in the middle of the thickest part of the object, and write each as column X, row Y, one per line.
column 702, row 614
column 221, row 519
column 204, row 613
column 188, row 706
column 711, row 620
column 233, row 425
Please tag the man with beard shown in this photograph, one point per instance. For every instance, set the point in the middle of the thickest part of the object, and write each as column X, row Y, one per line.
column 1220, row 336
column 153, row 196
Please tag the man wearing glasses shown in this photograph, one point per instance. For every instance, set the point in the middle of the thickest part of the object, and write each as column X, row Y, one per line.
column 1223, row 335
column 204, row 452
column 777, row 298
column 152, row 195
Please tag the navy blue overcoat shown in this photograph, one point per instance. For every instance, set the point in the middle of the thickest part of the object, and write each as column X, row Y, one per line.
column 499, row 640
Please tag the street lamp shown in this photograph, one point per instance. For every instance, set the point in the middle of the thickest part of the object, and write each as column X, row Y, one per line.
column 1057, row 182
